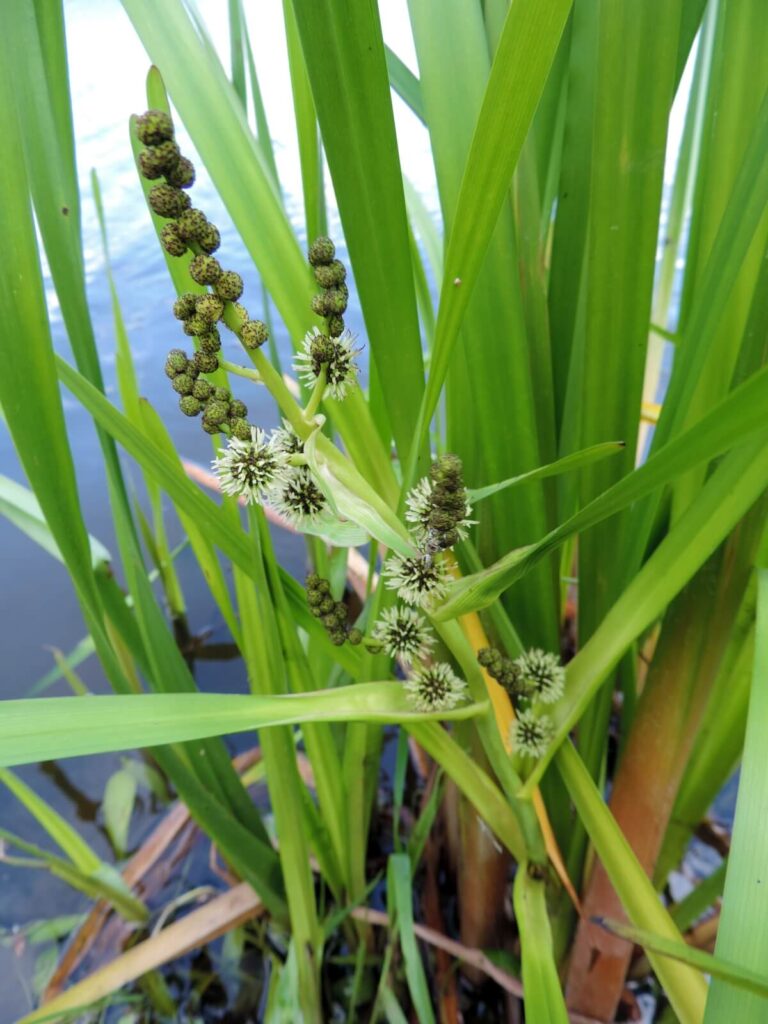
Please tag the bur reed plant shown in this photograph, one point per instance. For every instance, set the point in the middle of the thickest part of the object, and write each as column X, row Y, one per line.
column 565, row 604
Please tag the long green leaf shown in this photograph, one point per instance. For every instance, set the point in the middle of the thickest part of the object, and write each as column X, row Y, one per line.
column 400, row 899
column 731, row 422
column 46, row 728
column 742, row 937
column 543, row 996
column 20, row 506
column 733, row 974
column 685, row 989
column 730, row 492
column 575, row 461
column 344, row 54
column 520, row 68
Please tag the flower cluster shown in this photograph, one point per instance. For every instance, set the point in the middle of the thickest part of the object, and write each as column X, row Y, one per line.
column 333, row 349
column 435, row 687
column 438, row 508
column 403, row 634
column 251, row 466
column 336, row 355
column 418, row 580
column 332, row 614
column 533, row 679
column 297, row 497
column 189, row 230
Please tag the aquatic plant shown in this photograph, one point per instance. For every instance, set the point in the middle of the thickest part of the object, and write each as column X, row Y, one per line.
column 536, row 563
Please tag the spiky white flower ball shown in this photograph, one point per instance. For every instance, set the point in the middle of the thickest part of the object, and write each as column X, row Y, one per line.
column 298, row 498
column 435, row 688
column 287, row 440
column 336, row 354
column 251, row 468
column 418, row 507
column 417, row 580
column 542, row 674
column 420, row 513
column 532, row 734
column 404, row 634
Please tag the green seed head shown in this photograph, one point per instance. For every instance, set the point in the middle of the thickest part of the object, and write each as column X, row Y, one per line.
column 331, row 274
column 211, row 428
column 205, row 362
column 205, row 269
column 336, row 300
column 254, row 333
column 229, row 286
column 321, row 251
column 216, row 412
column 209, row 307
column 209, row 239
column 241, row 312
column 237, row 409
column 202, row 390
column 153, row 127
column 321, row 350
column 319, row 304
column 447, row 470
column 190, row 405
column 441, row 520
column 354, row 636
column 335, row 326
column 150, row 164
column 222, row 395
column 184, row 306
column 160, row 159
column 168, row 201
column 491, row 659
column 192, row 224
column 176, row 362
column 183, row 384
column 240, row 428
column 172, row 241
column 182, row 175
column 210, row 341
column 196, row 325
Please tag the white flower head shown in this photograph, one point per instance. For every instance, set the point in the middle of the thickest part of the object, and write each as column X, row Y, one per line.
column 251, row 468
column 287, row 440
column 404, row 634
column 417, row 580
column 532, row 734
column 418, row 506
column 437, row 528
column 336, row 354
column 298, row 498
column 435, row 688
column 542, row 674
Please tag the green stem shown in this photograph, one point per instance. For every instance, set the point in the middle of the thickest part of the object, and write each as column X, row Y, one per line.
column 240, row 371
column 317, row 394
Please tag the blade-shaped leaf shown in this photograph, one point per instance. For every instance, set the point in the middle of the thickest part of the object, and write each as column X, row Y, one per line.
column 47, row 728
